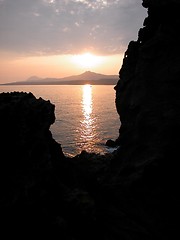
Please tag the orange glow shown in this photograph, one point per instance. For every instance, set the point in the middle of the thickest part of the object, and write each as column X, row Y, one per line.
column 57, row 66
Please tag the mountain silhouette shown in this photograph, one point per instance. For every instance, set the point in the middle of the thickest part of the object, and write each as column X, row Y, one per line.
column 84, row 78
column 33, row 78
column 88, row 75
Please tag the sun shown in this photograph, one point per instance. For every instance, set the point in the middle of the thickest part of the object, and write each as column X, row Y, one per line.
column 87, row 60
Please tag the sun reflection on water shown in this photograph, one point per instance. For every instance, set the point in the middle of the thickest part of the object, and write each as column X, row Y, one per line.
column 88, row 132
column 87, row 101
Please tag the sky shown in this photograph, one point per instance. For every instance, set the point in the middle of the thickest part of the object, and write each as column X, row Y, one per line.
column 59, row 38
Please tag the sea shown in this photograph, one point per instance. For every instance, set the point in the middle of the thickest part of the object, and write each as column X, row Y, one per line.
column 86, row 115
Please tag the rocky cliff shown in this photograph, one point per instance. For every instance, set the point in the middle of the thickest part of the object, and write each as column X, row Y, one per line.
column 147, row 94
column 131, row 194
column 148, row 102
column 28, row 156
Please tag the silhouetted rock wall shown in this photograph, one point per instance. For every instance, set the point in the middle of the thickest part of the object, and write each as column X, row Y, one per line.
column 28, row 157
column 148, row 102
column 147, row 94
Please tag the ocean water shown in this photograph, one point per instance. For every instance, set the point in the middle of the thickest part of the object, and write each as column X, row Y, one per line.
column 86, row 116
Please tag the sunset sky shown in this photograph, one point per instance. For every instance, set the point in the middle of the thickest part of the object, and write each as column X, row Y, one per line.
column 58, row 38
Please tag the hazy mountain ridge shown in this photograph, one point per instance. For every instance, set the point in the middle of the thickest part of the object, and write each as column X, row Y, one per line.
column 34, row 78
column 86, row 77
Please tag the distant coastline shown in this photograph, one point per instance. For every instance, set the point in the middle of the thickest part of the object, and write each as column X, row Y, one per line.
column 84, row 78
column 75, row 82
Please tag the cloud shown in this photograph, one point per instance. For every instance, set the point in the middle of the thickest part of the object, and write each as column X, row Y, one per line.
column 42, row 27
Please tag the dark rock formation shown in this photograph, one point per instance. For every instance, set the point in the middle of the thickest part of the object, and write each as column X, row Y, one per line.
column 42, row 192
column 111, row 143
column 28, row 156
column 148, row 102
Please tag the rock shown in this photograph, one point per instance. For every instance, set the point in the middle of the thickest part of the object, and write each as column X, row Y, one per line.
column 148, row 89
column 145, row 168
column 25, row 123
column 29, row 158
column 111, row 143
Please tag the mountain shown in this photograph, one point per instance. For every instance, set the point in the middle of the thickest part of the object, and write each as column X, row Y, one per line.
column 88, row 75
column 33, row 78
column 84, row 78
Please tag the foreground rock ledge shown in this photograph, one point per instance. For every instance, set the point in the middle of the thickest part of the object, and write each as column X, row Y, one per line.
column 42, row 191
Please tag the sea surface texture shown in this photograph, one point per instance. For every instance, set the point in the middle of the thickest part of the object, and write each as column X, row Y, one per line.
column 86, row 116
